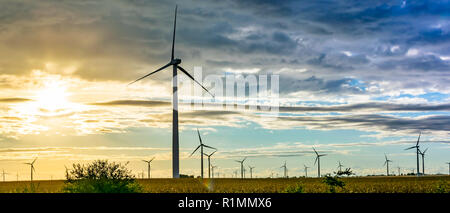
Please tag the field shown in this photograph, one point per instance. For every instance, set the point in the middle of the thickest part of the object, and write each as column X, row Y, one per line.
column 429, row 184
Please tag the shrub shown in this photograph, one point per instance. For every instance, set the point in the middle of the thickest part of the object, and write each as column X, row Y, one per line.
column 100, row 177
column 294, row 189
column 332, row 182
column 443, row 187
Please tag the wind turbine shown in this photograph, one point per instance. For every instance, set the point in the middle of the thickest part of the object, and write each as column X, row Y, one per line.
column 242, row 167
column 209, row 163
column 212, row 171
column 340, row 166
column 148, row 166
column 448, row 168
column 386, row 162
column 423, row 160
column 4, row 174
column 398, row 167
column 306, row 170
column 201, row 151
column 417, row 152
column 318, row 161
column 285, row 169
column 32, row 167
column 251, row 171
column 174, row 62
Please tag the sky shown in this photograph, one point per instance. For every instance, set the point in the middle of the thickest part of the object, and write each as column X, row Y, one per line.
column 357, row 80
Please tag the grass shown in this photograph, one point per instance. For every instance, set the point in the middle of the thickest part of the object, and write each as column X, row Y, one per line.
column 428, row 184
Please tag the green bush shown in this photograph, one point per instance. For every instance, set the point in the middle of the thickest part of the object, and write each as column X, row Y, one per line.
column 100, row 177
column 294, row 189
column 332, row 182
column 443, row 187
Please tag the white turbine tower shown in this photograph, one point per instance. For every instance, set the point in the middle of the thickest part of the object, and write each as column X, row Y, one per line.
column 242, row 167
column 386, row 162
column 423, row 160
column 284, row 169
column 318, row 161
column 209, row 163
column 174, row 62
column 251, row 171
column 32, row 167
column 306, row 170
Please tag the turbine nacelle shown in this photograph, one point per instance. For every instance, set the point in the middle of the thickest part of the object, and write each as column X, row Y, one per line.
column 175, row 61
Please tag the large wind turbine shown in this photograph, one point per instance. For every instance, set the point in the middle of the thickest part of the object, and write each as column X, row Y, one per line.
column 306, row 170
column 284, row 169
column 386, row 162
column 32, row 167
column 175, row 63
column 318, row 161
column 251, row 171
column 242, row 167
column 148, row 166
column 423, row 160
column 201, row 151
column 209, row 163
column 417, row 152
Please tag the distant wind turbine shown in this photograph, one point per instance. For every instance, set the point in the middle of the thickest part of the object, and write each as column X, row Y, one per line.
column 318, row 161
column 417, row 152
column 423, row 160
column 32, row 167
column 398, row 167
column 284, row 169
column 386, row 162
column 148, row 166
column 242, row 167
column 340, row 166
column 212, row 171
column 4, row 174
column 175, row 137
column 306, row 170
column 209, row 163
column 251, row 171
column 201, row 151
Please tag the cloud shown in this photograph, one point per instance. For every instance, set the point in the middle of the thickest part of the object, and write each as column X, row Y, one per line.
column 13, row 100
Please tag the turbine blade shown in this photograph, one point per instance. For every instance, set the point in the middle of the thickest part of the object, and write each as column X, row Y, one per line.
column 145, row 76
column 190, row 76
column 208, row 146
column 212, row 153
column 425, row 150
column 199, row 137
column 194, row 150
column 34, row 161
column 244, row 159
column 152, row 159
column 145, row 161
column 412, row 147
column 418, row 139
column 316, row 160
column 174, row 29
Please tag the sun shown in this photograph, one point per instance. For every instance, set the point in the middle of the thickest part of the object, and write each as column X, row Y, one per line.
column 53, row 96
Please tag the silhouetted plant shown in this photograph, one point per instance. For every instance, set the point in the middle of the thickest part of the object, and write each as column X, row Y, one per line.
column 346, row 172
column 100, row 177
column 332, row 182
column 443, row 187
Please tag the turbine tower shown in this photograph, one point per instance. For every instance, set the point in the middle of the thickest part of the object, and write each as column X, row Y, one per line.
column 242, row 167
column 398, row 167
column 306, row 170
column 32, row 168
column 417, row 152
column 212, row 171
column 448, row 168
column 148, row 167
column 201, row 151
column 423, row 160
column 318, row 161
column 251, row 171
column 386, row 162
column 174, row 62
column 209, row 163
column 284, row 169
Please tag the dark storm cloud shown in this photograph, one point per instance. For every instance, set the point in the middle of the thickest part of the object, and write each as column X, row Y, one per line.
column 121, row 40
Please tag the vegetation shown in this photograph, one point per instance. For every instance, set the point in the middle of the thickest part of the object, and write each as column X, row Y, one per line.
column 333, row 182
column 376, row 184
column 100, row 177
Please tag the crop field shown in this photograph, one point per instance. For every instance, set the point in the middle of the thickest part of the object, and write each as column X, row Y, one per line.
column 430, row 184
